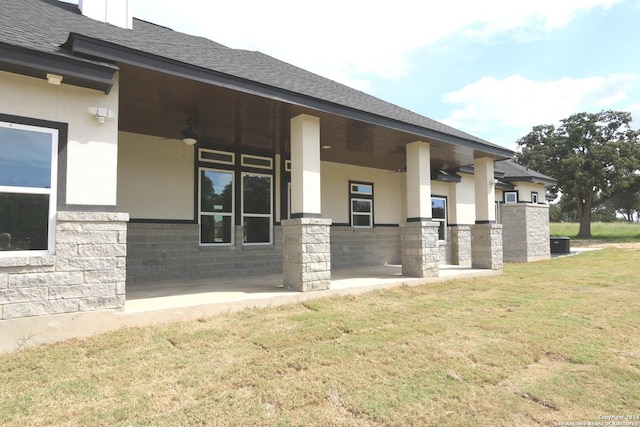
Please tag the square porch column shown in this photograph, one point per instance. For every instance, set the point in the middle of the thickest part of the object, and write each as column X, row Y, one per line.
column 486, row 235
column 307, row 247
column 420, row 254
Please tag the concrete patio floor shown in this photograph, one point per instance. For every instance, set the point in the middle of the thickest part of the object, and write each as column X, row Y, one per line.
column 254, row 291
column 178, row 301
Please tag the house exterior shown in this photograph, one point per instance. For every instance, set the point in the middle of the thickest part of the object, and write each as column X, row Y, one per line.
column 132, row 153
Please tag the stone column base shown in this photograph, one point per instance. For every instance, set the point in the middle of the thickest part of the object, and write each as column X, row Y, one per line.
column 420, row 253
column 486, row 246
column 461, row 245
column 307, row 254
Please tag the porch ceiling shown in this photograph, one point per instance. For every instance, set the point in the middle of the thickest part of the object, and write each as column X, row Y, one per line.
column 158, row 104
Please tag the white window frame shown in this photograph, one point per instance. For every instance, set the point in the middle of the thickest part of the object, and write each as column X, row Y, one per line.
column 510, row 193
column 255, row 215
column 226, row 214
column 52, row 191
column 232, row 156
column 245, row 160
column 534, row 197
column 442, row 220
column 369, row 214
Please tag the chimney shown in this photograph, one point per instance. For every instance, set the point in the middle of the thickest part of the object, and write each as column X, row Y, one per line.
column 114, row 12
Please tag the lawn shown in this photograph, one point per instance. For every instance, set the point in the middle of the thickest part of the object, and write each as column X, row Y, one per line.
column 543, row 343
column 600, row 231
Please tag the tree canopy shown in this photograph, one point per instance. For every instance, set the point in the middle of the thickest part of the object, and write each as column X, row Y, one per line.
column 594, row 157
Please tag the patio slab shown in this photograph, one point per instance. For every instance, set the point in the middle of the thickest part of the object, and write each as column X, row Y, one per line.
column 176, row 301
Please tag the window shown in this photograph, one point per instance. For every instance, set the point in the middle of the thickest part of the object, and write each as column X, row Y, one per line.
column 216, row 206
column 511, row 197
column 223, row 205
column 256, row 208
column 361, row 204
column 534, row 197
column 28, row 172
column 439, row 214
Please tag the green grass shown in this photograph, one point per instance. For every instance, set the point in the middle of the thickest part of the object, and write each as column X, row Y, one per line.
column 544, row 342
column 604, row 231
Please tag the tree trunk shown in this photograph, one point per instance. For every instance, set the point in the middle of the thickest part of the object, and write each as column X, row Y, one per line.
column 584, row 207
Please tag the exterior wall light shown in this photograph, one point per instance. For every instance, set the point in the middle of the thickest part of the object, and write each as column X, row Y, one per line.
column 101, row 113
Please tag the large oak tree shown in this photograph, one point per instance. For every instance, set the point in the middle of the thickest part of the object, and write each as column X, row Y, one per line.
column 593, row 156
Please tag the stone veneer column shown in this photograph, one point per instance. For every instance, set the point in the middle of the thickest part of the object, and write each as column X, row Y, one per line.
column 461, row 245
column 87, row 272
column 526, row 232
column 307, row 254
column 420, row 252
column 486, row 246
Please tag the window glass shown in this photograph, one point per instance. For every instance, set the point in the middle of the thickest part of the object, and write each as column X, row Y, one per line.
column 28, row 158
column 511, row 197
column 215, row 229
column 257, row 230
column 216, row 191
column 438, row 208
column 256, row 193
column 534, row 197
column 25, row 158
column 361, row 205
column 439, row 214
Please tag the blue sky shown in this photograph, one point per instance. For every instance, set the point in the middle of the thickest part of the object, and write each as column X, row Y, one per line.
column 493, row 68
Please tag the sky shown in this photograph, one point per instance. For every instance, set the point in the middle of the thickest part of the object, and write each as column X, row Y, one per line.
column 492, row 68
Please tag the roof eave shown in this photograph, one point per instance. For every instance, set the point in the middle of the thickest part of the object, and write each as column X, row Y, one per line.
column 32, row 63
column 95, row 48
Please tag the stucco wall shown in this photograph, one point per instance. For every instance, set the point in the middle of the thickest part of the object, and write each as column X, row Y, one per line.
column 462, row 201
column 92, row 148
column 155, row 177
column 388, row 197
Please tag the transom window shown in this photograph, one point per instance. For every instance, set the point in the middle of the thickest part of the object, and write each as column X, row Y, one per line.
column 28, row 172
column 361, row 204
column 439, row 214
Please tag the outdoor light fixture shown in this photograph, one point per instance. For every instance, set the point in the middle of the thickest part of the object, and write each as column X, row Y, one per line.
column 101, row 113
column 54, row 79
column 189, row 141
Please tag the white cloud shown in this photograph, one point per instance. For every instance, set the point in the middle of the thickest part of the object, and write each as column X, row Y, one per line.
column 519, row 103
column 351, row 40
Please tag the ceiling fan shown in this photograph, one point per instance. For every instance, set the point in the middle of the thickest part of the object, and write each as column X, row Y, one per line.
column 190, row 135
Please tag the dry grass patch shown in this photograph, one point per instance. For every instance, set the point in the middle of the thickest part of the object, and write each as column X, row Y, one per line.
column 544, row 342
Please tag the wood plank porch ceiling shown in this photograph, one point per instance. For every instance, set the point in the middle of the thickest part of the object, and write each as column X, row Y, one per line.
column 157, row 104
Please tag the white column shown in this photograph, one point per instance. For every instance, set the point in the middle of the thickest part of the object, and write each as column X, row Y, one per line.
column 305, row 167
column 418, row 182
column 485, row 194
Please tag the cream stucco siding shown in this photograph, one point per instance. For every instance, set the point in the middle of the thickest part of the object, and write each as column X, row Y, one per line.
column 155, row 177
column 388, row 195
column 462, row 201
column 525, row 189
column 92, row 147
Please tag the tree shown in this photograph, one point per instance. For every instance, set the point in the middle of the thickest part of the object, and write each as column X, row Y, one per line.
column 593, row 156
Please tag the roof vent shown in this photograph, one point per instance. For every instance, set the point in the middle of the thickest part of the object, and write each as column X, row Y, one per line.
column 114, row 12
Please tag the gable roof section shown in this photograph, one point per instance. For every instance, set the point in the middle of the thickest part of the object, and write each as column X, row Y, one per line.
column 39, row 36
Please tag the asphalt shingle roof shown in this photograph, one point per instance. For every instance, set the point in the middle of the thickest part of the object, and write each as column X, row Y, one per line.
column 45, row 25
column 514, row 171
